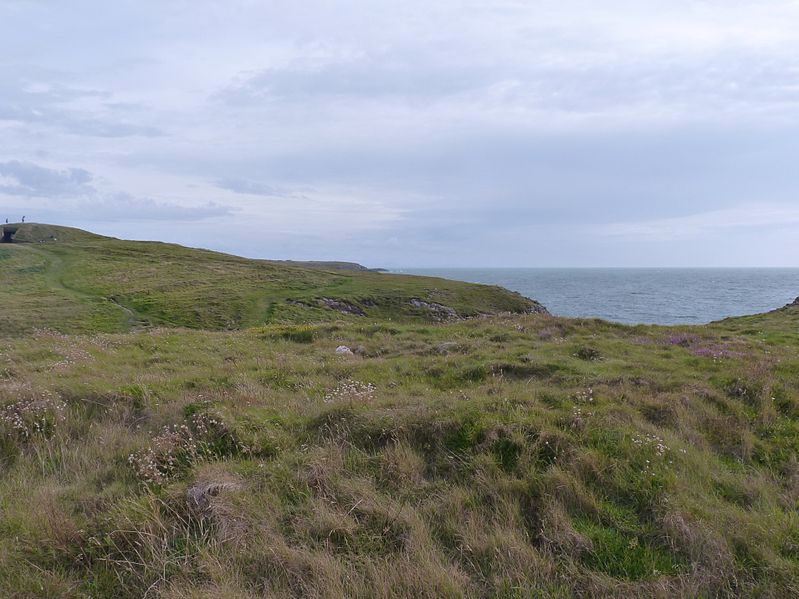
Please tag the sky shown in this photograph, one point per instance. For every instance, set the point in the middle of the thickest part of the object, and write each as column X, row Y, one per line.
column 414, row 133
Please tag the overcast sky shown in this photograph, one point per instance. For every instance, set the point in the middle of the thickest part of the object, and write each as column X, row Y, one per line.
column 412, row 133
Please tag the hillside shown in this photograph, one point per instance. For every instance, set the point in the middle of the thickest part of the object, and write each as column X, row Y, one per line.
column 512, row 456
column 76, row 282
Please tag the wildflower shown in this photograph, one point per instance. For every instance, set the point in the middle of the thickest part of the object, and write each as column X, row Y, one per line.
column 180, row 445
column 33, row 416
column 352, row 391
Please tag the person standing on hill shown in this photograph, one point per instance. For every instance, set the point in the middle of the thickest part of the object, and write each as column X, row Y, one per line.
column 23, row 219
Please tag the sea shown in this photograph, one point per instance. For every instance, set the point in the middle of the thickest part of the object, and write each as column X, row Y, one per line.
column 641, row 295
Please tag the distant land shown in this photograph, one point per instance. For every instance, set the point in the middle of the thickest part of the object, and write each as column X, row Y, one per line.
column 323, row 265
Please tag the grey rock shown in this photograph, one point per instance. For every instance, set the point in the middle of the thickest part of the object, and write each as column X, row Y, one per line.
column 341, row 306
column 447, row 347
column 199, row 496
column 439, row 311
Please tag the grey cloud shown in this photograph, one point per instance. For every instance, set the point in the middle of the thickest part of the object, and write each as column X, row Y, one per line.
column 124, row 206
column 117, row 207
column 246, row 186
column 741, row 81
column 478, row 125
column 27, row 179
column 63, row 194
column 55, row 107
column 402, row 72
column 101, row 128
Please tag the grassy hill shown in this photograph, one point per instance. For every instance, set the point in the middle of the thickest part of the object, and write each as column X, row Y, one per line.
column 509, row 456
column 76, row 282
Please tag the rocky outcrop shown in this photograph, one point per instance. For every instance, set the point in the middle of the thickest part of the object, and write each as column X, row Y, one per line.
column 536, row 308
column 341, row 306
column 438, row 311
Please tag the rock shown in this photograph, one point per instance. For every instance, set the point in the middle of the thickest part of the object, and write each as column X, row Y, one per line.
column 439, row 311
column 341, row 306
column 537, row 308
column 447, row 347
column 199, row 496
column 343, row 350
column 794, row 303
column 299, row 303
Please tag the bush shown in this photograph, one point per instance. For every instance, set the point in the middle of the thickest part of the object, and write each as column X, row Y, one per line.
column 588, row 354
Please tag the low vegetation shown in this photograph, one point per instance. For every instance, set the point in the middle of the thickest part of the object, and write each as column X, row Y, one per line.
column 500, row 456
column 75, row 282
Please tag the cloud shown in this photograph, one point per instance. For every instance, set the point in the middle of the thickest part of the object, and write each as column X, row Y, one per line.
column 706, row 224
column 495, row 131
column 82, row 112
column 248, row 187
column 123, row 206
column 118, row 207
column 402, row 72
column 69, row 193
column 27, row 179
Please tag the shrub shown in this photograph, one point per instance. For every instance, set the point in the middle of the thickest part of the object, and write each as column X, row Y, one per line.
column 588, row 354
column 32, row 417
column 177, row 447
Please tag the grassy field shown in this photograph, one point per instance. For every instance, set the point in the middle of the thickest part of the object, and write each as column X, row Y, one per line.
column 75, row 282
column 502, row 456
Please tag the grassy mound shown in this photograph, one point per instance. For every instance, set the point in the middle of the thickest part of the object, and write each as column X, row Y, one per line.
column 76, row 282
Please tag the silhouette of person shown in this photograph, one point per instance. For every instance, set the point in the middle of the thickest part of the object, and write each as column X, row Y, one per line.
column 23, row 219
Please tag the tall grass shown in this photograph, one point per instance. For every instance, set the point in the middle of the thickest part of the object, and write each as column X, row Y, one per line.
column 486, row 458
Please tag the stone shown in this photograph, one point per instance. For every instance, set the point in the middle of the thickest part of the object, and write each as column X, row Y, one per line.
column 439, row 311
column 447, row 347
column 199, row 496
column 341, row 306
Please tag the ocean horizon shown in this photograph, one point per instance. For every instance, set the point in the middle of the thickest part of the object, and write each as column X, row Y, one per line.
column 639, row 295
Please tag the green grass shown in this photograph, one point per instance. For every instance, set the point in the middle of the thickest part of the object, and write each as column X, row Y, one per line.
column 76, row 282
column 505, row 456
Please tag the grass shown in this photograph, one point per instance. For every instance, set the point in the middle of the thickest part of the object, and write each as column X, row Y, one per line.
column 502, row 456
column 75, row 282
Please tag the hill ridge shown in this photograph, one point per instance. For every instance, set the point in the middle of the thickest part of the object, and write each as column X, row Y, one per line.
column 75, row 281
